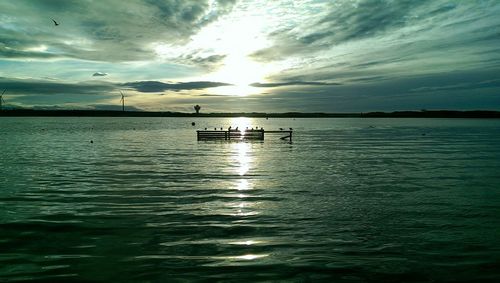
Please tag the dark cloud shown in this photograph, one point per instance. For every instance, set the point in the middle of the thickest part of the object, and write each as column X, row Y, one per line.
column 495, row 83
column 156, row 86
column 292, row 83
column 211, row 62
column 213, row 95
column 368, row 18
column 52, row 87
column 99, row 74
column 214, row 59
column 49, row 87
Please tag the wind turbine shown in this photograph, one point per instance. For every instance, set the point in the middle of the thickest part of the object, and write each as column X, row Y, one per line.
column 1, row 100
column 122, row 100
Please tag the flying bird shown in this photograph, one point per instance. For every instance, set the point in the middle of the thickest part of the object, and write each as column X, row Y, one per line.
column 55, row 23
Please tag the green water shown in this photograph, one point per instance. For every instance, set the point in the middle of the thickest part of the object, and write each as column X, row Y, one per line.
column 350, row 200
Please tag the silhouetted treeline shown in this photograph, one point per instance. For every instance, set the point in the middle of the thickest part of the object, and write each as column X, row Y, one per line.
column 110, row 113
column 434, row 114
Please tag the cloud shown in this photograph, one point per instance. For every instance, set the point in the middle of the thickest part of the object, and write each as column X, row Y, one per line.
column 156, row 86
column 12, row 53
column 17, row 86
column 213, row 95
column 211, row 62
column 110, row 31
column 352, row 40
column 51, row 87
column 340, row 22
column 99, row 74
column 292, row 83
column 495, row 83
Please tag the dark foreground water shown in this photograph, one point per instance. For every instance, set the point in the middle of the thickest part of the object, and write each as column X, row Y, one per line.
column 350, row 200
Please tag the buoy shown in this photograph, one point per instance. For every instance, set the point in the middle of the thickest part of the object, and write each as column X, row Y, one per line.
column 193, row 123
column 91, row 141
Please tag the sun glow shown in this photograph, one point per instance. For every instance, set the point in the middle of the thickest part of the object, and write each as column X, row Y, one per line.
column 234, row 38
column 237, row 41
column 239, row 71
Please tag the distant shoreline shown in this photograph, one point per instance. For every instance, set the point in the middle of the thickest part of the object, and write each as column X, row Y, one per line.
column 109, row 113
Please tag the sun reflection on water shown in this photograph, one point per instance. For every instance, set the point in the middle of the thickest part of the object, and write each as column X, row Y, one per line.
column 243, row 207
column 242, row 159
column 243, row 185
column 246, row 243
column 249, row 256
column 238, row 258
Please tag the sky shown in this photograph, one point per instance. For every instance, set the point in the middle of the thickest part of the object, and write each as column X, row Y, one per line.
column 251, row 55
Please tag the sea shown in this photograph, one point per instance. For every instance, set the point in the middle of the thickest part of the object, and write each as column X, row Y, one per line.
column 347, row 200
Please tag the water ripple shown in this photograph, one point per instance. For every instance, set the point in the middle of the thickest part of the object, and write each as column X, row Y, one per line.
column 352, row 200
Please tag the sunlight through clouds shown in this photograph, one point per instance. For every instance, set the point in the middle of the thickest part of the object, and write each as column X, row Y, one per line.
column 276, row 56
column 235, row 38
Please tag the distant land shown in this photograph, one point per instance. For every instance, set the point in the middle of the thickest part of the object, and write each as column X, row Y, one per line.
column 114, row 113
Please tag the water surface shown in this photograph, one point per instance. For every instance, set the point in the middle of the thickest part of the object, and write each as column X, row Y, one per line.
column 352, row 200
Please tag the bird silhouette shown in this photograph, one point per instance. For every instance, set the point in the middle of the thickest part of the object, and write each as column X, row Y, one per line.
column 281, row 129
column 55, row 23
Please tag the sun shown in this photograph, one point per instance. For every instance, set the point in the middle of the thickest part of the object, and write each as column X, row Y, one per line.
column 239, row 71
column 234, row 37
